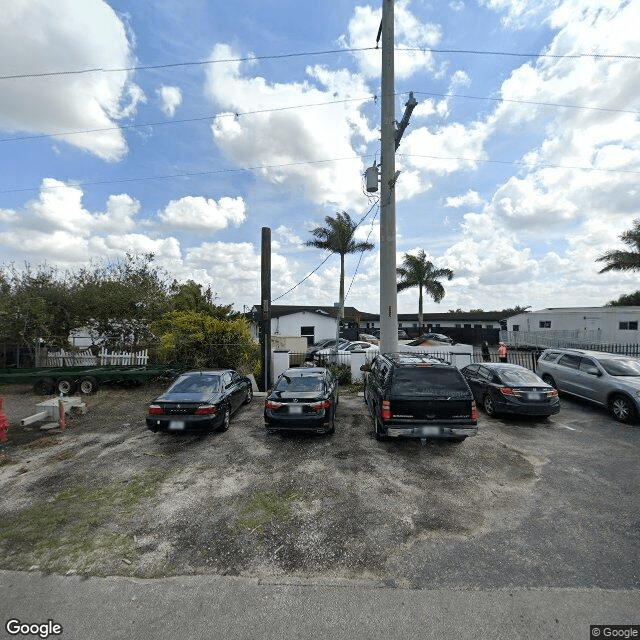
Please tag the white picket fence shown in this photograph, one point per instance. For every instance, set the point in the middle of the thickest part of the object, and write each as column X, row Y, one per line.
column 63, row 358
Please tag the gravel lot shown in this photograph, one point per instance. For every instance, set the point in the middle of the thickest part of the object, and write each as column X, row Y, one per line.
column 531, row 503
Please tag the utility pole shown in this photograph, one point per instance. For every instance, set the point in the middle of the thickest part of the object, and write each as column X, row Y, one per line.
column 265, row 320
column 388, row 286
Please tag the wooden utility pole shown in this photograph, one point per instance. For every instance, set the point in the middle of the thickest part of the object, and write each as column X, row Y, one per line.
column 265, row 308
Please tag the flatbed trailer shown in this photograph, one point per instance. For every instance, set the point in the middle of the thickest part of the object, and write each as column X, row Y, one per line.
column 66, row 380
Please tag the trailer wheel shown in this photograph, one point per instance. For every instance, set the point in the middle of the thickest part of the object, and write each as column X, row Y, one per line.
column 44, row 386
column 66, row 386
column 88, row 385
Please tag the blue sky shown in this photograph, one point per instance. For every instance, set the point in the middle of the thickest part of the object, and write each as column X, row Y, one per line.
column 519, row 167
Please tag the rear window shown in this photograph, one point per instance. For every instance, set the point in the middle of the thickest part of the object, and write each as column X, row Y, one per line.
column 305, row 383
column 428, row 381
column 515, row 378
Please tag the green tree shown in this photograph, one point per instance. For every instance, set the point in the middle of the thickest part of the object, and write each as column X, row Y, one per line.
column 119, row 300
column 202, row 340
column 417, row 271
column 628, row 300
column 189, row 296
column 337, row 237
column 621, row 260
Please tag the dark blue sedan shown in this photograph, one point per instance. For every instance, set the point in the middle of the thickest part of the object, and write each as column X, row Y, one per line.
column 501, row 387
column 200, row 401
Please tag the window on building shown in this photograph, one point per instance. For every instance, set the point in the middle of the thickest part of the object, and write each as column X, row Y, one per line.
column 516, row 327
column 545, row 324
column 309, row 334
column 490, row 326
column 467, row 326
column 477, row 326
column 631, row 325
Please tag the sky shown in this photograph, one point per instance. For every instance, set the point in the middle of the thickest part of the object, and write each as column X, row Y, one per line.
column 183, row 129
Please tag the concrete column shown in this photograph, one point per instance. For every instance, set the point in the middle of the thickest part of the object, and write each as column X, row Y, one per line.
column 358, row 358
column 280, row 362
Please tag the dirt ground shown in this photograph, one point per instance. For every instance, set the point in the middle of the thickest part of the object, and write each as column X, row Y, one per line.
column 108, row 497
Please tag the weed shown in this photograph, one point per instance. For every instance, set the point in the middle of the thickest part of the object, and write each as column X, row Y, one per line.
column 264, row 506
column 78, row 527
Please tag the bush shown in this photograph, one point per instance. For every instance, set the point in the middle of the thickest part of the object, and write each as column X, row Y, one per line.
column 341, row 372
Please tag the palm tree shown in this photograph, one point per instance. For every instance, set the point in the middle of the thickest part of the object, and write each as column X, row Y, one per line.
column 337, row 237
column 620, row 260
column 417, row 271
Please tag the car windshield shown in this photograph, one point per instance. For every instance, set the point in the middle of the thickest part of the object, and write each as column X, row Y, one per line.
column 428, row 381
column 620, row 367
column 299, row 383
column 196, row 384
column 518, row 377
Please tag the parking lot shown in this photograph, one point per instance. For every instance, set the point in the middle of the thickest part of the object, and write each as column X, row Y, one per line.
column 535, row 503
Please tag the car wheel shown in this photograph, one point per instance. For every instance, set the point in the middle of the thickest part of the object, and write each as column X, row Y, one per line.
column 88, row 385
column 249, row 397
column 380, row 436
column 332, row 428
column 622, row 409
column 549, row 380
column 489, row 406
column 66, row 386
column 225, row 419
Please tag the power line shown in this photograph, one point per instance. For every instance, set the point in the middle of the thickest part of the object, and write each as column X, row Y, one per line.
column 45, row 74
column 240, row 114
column 190, row 174
column 529, row 102
column 186, row 120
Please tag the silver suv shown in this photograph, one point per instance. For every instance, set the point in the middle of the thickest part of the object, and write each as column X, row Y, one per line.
column 608, row 379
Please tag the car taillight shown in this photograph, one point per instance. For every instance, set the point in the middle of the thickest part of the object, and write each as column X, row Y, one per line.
column 205, row 410
column 552, row 394
column 155, row 410
column 324, row 404
column 474, row 410
column 386, row 410
column 268, row 404
column 507, row 391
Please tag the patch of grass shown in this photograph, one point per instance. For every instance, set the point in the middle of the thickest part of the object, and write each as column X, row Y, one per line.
column 78, row 526
column 265, row 506
column 6, row 460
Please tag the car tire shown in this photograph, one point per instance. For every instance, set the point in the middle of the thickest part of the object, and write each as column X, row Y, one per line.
column 380, row 436
column 549, row 380
column 249, row 397
column 622, row 409
column 489, row 405
column 225, row 419
column 332, row 428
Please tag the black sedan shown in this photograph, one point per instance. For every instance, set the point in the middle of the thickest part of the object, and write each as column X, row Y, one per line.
column 200, row 400
column 509, row 388
column 303, row 399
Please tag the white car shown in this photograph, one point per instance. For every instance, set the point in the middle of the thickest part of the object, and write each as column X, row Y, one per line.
column 343, row 356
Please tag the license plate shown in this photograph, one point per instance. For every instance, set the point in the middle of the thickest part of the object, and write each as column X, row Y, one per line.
column 430, row 431
column 295, row 410
column 176, row 425
column 535, row 396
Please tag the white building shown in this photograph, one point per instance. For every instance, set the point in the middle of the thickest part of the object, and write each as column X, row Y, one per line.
column 588, row 325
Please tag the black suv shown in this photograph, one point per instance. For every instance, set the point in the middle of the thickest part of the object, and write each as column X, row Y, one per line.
column 419, row 396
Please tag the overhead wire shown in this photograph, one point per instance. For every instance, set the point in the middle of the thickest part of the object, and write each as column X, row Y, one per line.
column 44, row 74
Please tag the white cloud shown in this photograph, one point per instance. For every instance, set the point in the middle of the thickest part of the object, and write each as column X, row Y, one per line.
column 37, row 36
column 409, row 33
column 170, row 99
column 292, row 146
column 469, row 199
column 196, row 212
